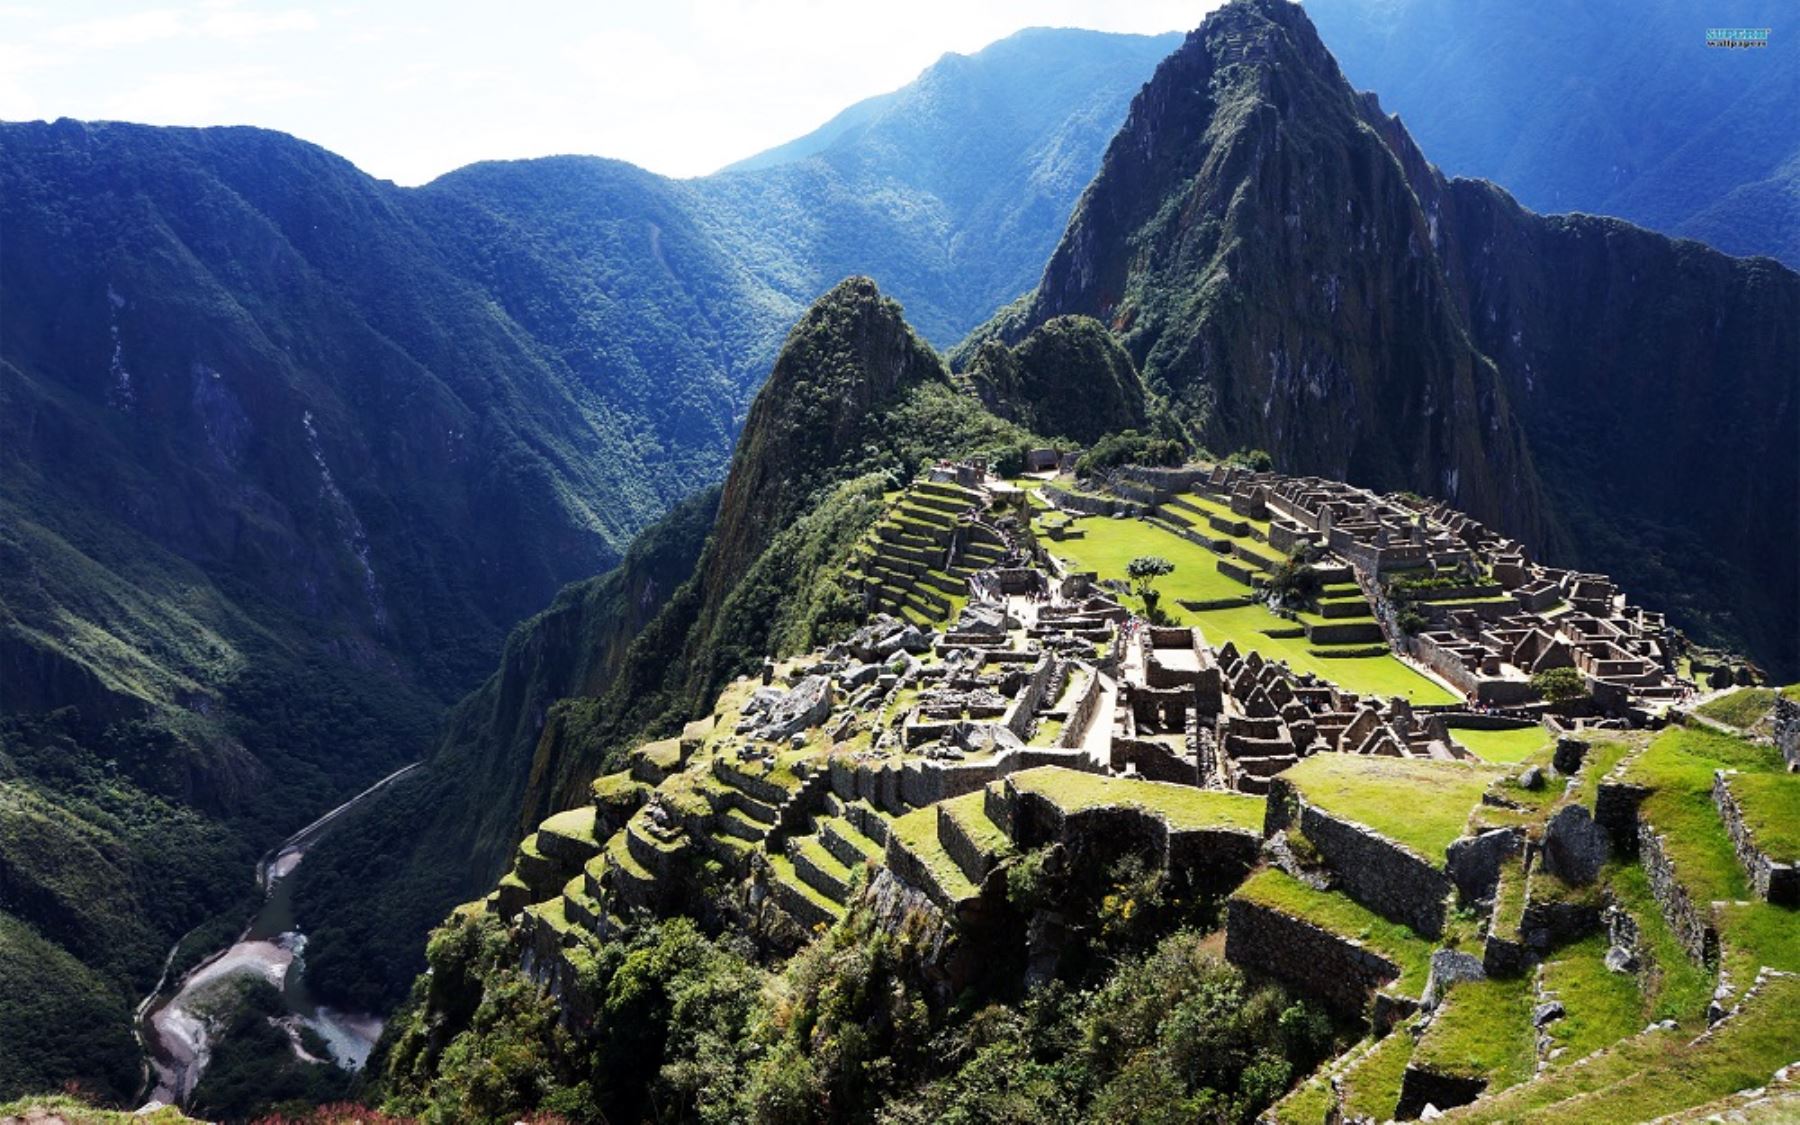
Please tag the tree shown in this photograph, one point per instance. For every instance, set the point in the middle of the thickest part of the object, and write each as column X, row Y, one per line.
column 1559, row 685
column 1143, row 572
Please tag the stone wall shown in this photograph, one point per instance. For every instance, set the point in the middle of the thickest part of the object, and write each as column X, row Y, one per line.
column 1691, row 921
column 1153, row 760
column 1381, row 874
column 1340, row 972
column 1787, row 730
column 1216, row 858
column 1772, row 880
column 1024, row 706
column 1616, row 811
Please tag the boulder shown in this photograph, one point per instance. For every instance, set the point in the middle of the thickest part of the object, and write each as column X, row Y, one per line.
column 1574, row 846
column 1448, row 966
column 806, row 705
column 1545, row 1012
column 1532, row 778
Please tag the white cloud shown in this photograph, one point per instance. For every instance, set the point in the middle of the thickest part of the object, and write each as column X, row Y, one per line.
column 410, row 89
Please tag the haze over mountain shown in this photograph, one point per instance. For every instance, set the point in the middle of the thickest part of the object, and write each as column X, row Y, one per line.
column 286, row 450
column 1612, row 108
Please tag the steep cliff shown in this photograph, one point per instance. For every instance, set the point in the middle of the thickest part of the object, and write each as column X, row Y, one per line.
column 1289, row 272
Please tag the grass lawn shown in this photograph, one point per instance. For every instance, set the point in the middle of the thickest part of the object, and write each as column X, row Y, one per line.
column 1421, row 803
column 1742, row 708
column 1602, row 755
column 1507, row 747
column 1342, row 915
column 1183, row 806
column 1657, row 1074
column 1753, row 935
column 1108, row 547
column 1602, row 1007
column 969, row 813
column 1483, row 1030
column 1675, row 988
column 917, row 831
column 1679, row 767
column 1771, row 808
column 1372, row 1083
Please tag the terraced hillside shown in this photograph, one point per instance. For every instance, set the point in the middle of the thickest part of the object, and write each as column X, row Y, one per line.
column 917, row 562
column 1493, row 912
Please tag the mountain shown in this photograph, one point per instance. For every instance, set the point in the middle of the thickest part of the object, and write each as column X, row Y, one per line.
column 1613, row 108
column 855, row 404
column 1288, row 272
column 286, row 451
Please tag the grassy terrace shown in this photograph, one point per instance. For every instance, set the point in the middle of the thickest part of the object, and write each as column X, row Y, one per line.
column 574, row 824
column 917, row 831
column 1603, row 754
column 968, row 813
column 1674, row 987
column 1679, row 766
column 1662, row 1073
column 1372, row 1084
column 1343, row 916
column 1771, row 806
column 1108, row 545
column 1183, row 806
column 1483, row 1030
column 1504, row 746
column 1745, row 707
column 1420, row 803
column 1602, row 1006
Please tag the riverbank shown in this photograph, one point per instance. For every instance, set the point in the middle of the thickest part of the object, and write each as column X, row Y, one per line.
column 176, row 1025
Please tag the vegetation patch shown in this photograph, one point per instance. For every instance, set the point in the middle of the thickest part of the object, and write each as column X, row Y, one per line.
column 1506, row 747
column 1483, row 1029
column 1182, row 806
column 1421, row 803
column 1372, row 1084
column 1600, row 1006
column 1340, row 914
column 1770, row 803
column 1674, row 987
column 917, row 832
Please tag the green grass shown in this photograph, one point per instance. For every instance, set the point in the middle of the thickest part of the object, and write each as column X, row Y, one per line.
column 1663, row 1074
column 1753, row 935
column 784, row 872
column 1744, row 708
column 1674, row 987
column 1420, row 803
column 1342, row 915
column 1679, row 767
column 1483, row 1030
column 1509, row 899
column 1507, row 747
column 968, row 811
column 917, row 832
column 1372, row 1083
column 1182, row 806
column 573, row 824
column 1770, row 803
column 1110, row 545
column 1602, row 756
column 1601, row 1006
column 1307, row 1103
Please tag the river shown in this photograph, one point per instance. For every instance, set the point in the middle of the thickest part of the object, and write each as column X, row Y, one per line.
column 175, row 1026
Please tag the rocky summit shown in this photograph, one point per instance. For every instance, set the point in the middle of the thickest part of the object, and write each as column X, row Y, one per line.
column 564, row 644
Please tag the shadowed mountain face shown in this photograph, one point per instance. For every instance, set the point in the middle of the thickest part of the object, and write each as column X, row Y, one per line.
column 285, row 451
column 1612, row 108
column 1290, row 273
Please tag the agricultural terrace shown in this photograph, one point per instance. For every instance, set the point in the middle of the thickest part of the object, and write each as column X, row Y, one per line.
column 1107, row 546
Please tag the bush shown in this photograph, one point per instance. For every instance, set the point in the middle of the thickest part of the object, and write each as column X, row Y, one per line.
column 1129, row 447
column 1560, row 685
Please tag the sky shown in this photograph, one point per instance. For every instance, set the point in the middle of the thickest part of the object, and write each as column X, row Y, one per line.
column 409, row 89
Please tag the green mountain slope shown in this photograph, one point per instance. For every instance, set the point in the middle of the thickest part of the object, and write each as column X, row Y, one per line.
column 286, row 451
column 855, row 403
